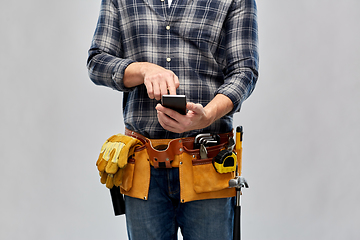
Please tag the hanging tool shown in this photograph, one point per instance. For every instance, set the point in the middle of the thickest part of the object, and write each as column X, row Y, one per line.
column 117, row 200
column 238, row 183
column 238, row 147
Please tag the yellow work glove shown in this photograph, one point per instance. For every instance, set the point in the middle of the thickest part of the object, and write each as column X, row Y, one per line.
column 114, row 156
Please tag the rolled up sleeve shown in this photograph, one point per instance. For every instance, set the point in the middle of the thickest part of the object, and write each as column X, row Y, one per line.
column 105, row 63
column 242, row 59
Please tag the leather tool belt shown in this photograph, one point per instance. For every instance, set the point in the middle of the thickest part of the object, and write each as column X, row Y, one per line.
column 197, row 175
column 163, row 155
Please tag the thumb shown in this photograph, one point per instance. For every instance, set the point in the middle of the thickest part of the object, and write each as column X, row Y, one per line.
column 197, row 108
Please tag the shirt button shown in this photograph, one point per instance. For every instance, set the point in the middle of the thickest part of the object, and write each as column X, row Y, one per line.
column 168, row 59
column 167, row 27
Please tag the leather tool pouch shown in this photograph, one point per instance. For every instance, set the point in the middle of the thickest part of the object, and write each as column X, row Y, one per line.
column 161, row 156
column 161, row 152
column 206, row 178
column 198, row 178
column 136, row 175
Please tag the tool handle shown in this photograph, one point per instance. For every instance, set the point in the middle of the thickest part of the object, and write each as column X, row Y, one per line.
column 237, row 223
column 239, row 136
column 238, row 147
column 118, row 201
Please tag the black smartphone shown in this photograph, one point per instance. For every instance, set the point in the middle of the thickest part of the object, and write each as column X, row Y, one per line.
column 175, row 102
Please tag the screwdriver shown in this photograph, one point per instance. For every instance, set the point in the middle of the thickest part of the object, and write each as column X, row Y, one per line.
column 238, row 147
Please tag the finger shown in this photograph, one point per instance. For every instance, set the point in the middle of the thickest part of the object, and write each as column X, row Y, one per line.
column 163, row 120
column 157, row 91
column 172, row 114
column 167, row 123
column 176, row 81
column 194, row 107
column 163, row 89
column 173, row 85
column 149, row 89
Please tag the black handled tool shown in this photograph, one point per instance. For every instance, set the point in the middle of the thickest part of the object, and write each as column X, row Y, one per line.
column 118, row 201
column 238, row 182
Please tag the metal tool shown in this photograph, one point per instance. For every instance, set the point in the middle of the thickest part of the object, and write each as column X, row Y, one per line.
column 206, row 139
column 203, row 152
column 238, row 183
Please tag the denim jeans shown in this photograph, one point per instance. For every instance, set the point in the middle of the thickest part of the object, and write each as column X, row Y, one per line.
column 162, row 214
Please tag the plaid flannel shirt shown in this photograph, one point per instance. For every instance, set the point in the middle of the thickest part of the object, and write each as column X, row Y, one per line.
column 211, row 45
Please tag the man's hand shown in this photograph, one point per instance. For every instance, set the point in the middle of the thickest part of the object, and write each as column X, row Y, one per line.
column 197, row 117
column 160, row 81
column 157, row 80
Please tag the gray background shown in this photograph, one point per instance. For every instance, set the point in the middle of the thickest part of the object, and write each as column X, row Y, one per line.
column 301, row 146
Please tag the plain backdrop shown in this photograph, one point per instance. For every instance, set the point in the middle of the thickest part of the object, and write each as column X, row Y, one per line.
column 301, row 125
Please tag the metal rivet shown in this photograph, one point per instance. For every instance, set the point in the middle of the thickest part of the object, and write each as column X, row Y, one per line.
column 180, row 163
column 167, row 27
column 194, row 156
column 167, row 159
column 182, row 200
column 144, row 198
column 180, row 149
column 180, row 141
column 168, row 59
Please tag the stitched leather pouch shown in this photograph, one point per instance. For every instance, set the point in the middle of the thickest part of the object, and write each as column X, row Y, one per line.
column 201, row 181
column 128, row 175
column 198, row 178
column 136, row 177
column 164, row 158
column 206, row 179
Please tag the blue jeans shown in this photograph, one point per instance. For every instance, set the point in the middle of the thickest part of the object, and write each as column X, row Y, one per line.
column 162, row 214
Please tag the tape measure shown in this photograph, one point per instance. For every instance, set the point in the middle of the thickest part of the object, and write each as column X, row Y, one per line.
column 225, row 161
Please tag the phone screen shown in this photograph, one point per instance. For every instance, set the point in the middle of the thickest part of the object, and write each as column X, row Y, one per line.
column 175, row 102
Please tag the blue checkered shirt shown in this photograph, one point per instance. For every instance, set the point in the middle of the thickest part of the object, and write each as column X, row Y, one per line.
column 211, row 45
